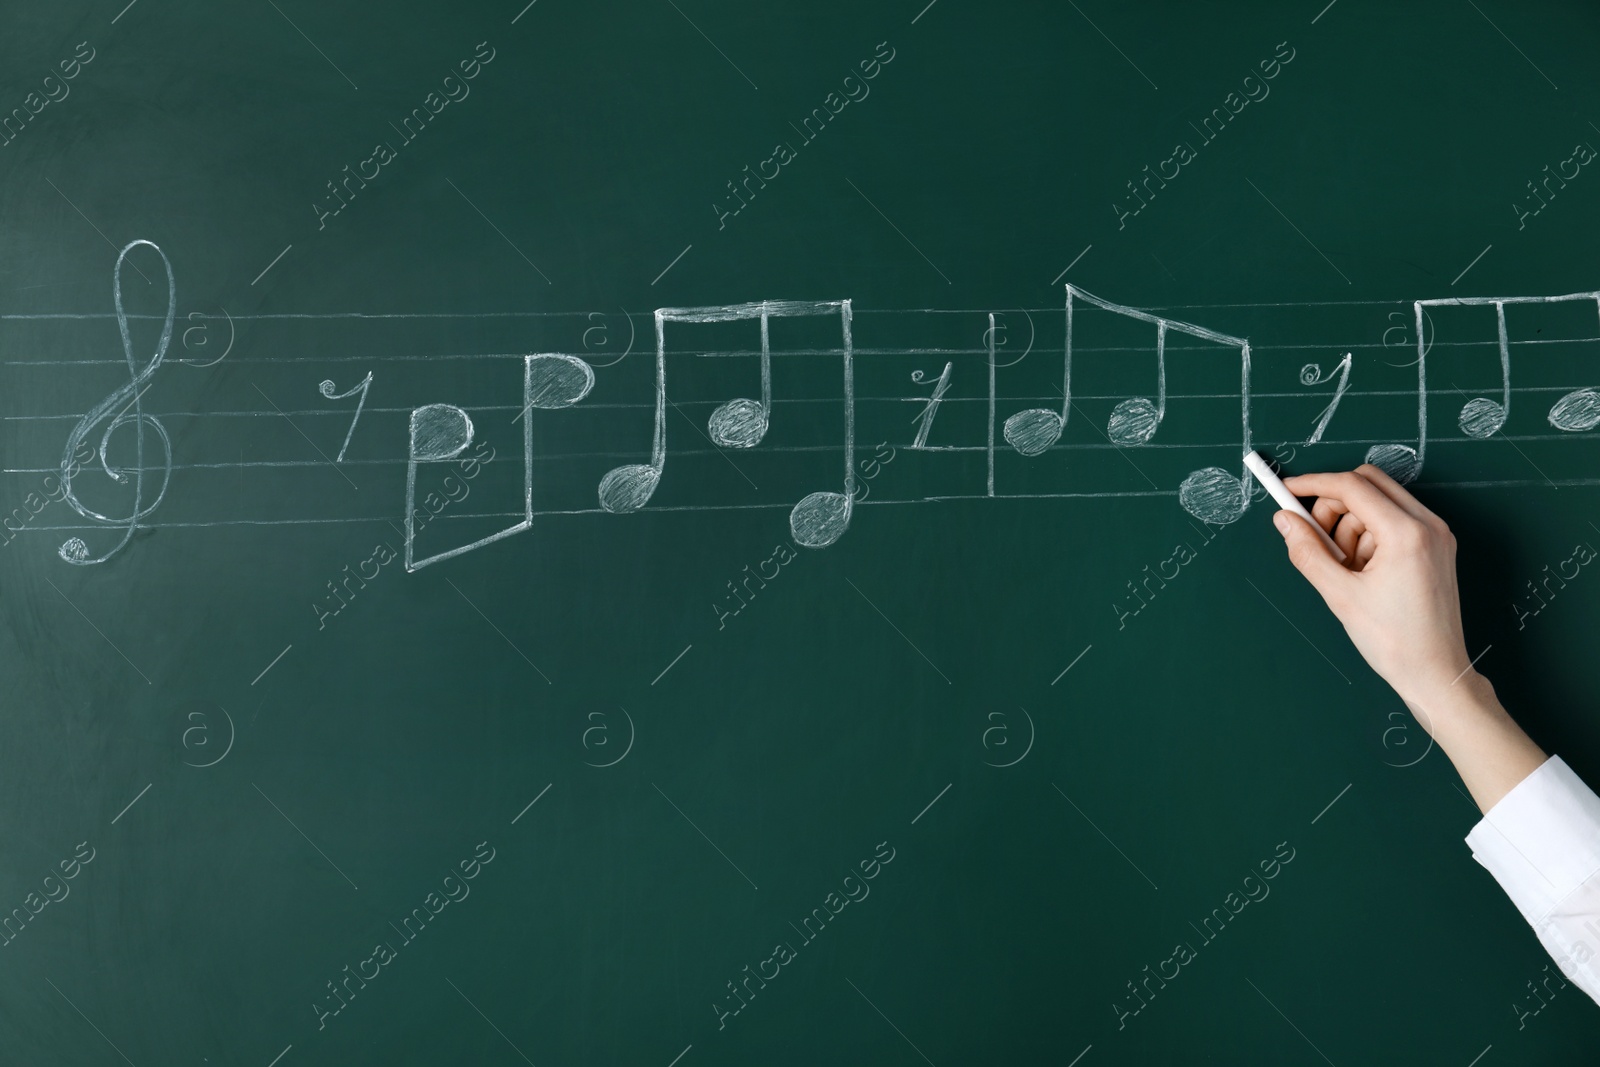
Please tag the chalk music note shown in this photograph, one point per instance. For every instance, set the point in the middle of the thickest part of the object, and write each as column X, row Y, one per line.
column 820, row 518
column 1036, row 430
column 442, row 432
column 1576, row 412
column 742, row 423
column 1211, row 493
column 125, row 401
column 1402, row 462
column 628, row 488
column 1579, row 410
column 1479, row 417
column 1133, row 421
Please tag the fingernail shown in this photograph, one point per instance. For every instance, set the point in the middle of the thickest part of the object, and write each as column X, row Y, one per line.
column 1281, row 521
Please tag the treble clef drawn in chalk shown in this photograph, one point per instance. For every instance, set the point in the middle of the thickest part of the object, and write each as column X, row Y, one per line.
column 125, row 403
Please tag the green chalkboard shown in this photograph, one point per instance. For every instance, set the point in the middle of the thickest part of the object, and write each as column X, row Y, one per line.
column 706, row 533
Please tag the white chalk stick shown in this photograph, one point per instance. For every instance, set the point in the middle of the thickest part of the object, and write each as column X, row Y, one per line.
column 1286, row 500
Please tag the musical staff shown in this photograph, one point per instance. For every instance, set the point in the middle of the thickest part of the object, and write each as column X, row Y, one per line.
column 1143, row 433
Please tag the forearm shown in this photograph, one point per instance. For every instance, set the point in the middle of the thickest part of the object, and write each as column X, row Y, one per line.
column 1487, row 747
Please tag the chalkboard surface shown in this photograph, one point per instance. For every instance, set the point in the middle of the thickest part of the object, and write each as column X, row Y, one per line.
column 706, row 533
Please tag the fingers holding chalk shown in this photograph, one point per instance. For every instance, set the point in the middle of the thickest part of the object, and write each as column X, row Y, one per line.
column 1346, row 527
column 1356, row 495
column 1286, row 500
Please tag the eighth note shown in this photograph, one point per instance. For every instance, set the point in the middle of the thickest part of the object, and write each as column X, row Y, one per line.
column 1481, row 417
column 1135, row 420
column 1034, row 431
column 742, row 423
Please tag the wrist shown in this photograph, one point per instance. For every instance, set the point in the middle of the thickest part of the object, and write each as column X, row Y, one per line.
column 1489, row 750
column 1445, row 704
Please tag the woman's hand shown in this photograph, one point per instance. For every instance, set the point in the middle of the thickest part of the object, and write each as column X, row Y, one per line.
column 1396, row 594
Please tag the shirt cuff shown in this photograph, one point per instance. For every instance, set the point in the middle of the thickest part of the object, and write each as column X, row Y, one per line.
column 1541, row 841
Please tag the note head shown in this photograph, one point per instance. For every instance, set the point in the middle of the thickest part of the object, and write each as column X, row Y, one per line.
column 557, row 381
column 820, row 519
column 1400, row 462
column 1133, row 422
column 1034, row 431
column 1576, row 412
column 1212, row 495
column 739, row 423
column 627, row 489
column 439, row 432
column 1481, row 417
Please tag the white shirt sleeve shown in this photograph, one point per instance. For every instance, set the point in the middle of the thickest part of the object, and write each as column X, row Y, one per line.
column 1541, row 842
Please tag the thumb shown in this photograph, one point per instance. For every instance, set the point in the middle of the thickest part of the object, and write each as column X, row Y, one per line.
column 1310, row 554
